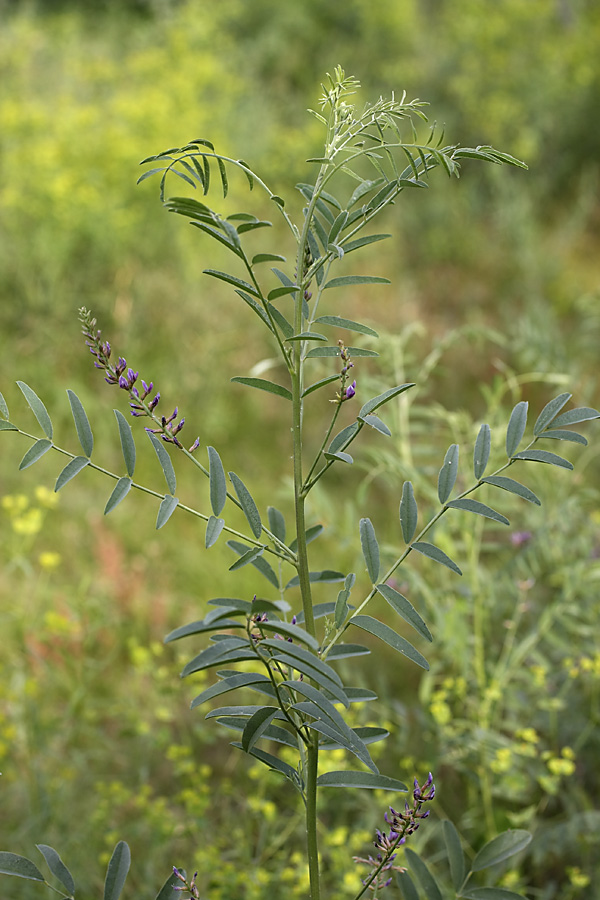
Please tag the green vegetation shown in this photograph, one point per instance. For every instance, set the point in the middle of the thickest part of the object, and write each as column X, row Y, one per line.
column 495, row 281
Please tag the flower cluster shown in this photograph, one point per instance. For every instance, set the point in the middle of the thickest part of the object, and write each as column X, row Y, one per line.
column 127, row 379
column 346, row 392
column 185, row 886
column 402, row 825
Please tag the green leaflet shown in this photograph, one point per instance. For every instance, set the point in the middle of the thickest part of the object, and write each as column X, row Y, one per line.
column 376, row 423
column 37, row 408
column 405, row 609
column 448, row 473
column 3, row 408
column 257, row 725
column 232, row 683
column 500, row 848
column 573, row 416
column 436, row 554
column 127, row 442
column 481, row 453
column 370, row 548
column 456, row 857
column 13, row 864
column 165, row 462
column 352, row 779
column 248, row 505
column 82, row 424
column 490, row 893
column 408, row 512
column 70, row 471
column 549, row 412
column 120, row 491
column 214, row 527
column 544, row 456
column 276, row 523
column 513, row 487
column 229, row 650
column 253, row 556
column 348, row 324
column 116, row 873
column 426, row 879
column 378, row 401
column 516, row 428
column 218, row 485
column 273, row 762
column 263, row 385
column 35, row 452
column 57, row 867
column 478, row 508
column 236, row 282
column 347, row 280
column 386, row 634
column 167, row 507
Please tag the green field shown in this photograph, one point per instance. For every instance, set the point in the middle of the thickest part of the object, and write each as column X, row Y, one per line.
column 494, row 299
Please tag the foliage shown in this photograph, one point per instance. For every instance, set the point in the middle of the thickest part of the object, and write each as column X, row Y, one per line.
column 371, row 156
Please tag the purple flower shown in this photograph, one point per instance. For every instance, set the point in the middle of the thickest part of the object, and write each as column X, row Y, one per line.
column 518, row 538
column 350, row 391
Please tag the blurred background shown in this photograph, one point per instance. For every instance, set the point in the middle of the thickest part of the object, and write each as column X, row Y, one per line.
column 495, row 299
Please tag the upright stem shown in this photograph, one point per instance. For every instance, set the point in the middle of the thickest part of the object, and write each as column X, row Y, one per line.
column 311, row 771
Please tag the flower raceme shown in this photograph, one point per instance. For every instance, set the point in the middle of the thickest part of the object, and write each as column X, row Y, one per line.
column 127, row 379
column 402, row 825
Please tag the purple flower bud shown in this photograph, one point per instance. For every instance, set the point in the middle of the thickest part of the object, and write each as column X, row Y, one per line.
column 123, row 383
column 350, row 391
column 135, row 392
column 294, row 620
column 154, row 403
column 132, row 376
column 195, row 445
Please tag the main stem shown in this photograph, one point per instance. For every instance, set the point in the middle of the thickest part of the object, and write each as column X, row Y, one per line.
column 311, row 771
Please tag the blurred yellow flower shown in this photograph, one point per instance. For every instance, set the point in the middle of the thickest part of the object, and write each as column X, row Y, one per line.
column 49, row 560
column 46, row 497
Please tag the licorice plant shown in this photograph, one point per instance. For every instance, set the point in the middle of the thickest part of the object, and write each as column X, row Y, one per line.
column 288, row 646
